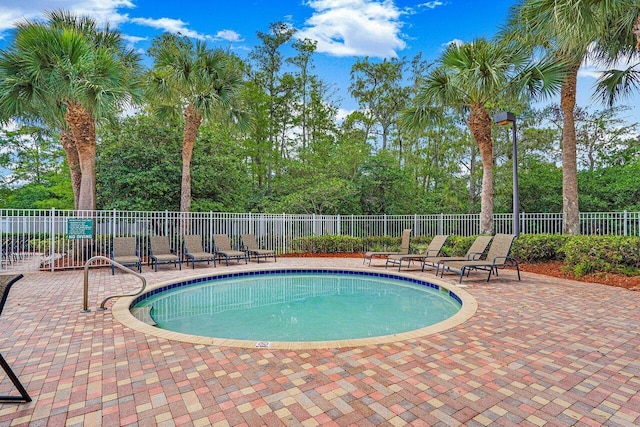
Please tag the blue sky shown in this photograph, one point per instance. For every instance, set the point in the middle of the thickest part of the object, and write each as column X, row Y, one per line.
column 344, row 29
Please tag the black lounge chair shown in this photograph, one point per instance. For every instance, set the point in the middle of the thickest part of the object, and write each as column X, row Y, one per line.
column 124, row 252
column 161, row 252
column 404, row 248
column 252, row 248
column 433, row 250
column 476, row 252
column 498, row 256
column 5, row 284
column 223, row 249
column 194, row 252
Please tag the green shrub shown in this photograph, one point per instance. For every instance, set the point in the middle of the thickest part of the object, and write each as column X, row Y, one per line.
column 581, row 254
column 535, row 248
column 331, row 243
column 381, row 243
column 609, row 254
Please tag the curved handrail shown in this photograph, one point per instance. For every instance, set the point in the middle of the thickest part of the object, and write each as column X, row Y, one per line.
column 85, row 308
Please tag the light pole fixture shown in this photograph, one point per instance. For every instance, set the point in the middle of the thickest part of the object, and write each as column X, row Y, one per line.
column 504, row 119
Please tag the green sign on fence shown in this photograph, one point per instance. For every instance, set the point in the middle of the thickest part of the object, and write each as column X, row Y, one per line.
column 79, row 228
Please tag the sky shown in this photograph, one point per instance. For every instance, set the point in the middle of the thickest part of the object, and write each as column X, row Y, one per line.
column 345, row 30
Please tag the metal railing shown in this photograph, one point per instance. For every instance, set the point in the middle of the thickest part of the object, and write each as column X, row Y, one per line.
column 50, row 239
column 85, row 295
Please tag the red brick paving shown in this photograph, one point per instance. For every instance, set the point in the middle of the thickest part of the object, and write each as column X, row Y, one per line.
column 542, row 351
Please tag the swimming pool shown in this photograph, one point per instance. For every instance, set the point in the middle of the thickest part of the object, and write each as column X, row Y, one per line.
column 301, row 308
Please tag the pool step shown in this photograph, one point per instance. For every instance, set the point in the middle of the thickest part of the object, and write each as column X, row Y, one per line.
column 143, row 314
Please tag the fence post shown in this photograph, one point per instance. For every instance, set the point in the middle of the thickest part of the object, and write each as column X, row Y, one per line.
column 211, row 231
column 52, row 246
column 385, row 225
column 284, row 232
column 339, row 228
column 624, row 223
column 441, row 223
column 352, row 225
column 113, row 227
column 1, row 234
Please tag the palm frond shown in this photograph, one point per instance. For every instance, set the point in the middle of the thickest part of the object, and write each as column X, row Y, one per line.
column 616, row 85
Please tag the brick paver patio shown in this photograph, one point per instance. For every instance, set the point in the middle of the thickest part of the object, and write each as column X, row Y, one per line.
column 542, row 351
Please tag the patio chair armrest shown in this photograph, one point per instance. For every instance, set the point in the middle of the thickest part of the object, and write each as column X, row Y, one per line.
column 475, row 256
column 505, row 258
column 512, row 259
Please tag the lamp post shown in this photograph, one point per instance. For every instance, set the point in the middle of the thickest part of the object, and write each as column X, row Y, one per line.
column 504, row 119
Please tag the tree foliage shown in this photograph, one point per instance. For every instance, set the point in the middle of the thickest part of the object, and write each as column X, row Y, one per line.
column 411, row 147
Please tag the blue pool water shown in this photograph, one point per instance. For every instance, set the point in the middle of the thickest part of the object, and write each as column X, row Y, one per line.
column 300, row 306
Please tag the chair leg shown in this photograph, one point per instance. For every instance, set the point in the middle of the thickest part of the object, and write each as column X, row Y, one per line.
column 24, row 396
column 491, row 271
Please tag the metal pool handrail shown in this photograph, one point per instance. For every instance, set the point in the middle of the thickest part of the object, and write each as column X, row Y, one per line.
column 85, row 306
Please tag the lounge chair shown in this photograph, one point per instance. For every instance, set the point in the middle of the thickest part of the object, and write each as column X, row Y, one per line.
column 223, row 249
column 498, row 256
column 475, row 252
column 161, row 253
column 404, row 249
column 433, row 250
column 250, row 245
column 193, row 251
column 5, row 284
column 124, row 252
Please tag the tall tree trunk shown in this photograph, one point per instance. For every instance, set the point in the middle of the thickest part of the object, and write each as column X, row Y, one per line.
column 472, row 180
column 192, row 121
column 480, row 127
column 570, row 209
column 83, row 130
column 636, row 31
column 69, row 146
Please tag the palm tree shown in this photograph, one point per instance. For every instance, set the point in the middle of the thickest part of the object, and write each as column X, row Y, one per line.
column 572, row 31
column 203, row 84
column 472, row 76
column 619, row 42
column 70, row 74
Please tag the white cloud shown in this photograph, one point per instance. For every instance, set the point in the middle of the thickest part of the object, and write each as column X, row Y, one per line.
column 134, row 39
column 342, row 114
column 228, row 35
column 355, row 27
column 431, row 4
column 169, row 25
column 103, row 11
